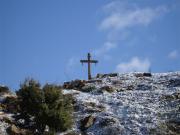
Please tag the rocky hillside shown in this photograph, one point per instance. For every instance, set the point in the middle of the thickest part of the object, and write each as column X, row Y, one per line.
column 116, row 104
column 134, row 103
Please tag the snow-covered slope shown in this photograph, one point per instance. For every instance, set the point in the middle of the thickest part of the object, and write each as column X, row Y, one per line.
column 136, row 104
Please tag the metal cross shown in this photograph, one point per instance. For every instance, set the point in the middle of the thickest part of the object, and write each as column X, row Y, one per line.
column 89, row 61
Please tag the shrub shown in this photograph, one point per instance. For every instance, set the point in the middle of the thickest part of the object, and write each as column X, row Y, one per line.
column 47, row 106
column 59, row 108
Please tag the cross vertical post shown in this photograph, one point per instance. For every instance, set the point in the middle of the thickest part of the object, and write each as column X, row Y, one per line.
column 89, row 61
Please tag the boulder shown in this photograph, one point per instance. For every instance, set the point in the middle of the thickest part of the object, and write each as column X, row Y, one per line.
column 143, row 75
column 91, row 107
column 107, row 88
column 4, row 89
column 77, row 84
column 174, row 96
column 2, row 106
column 88, row 88
column 107, row 75
column 130, row 87
column 7, row 120
column 147, row 74
column 14, row 130
column 87, row 122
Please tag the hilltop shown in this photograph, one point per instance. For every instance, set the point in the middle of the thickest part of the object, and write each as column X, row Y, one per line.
column 115, row 104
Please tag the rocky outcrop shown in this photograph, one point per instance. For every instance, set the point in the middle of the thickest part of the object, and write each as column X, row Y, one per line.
column 76, row 84
column 87, row 122
column 4, row 89
column 91, row 107
column 14, row 130
column 109, row 89
column 143, row 74
column 107, row 75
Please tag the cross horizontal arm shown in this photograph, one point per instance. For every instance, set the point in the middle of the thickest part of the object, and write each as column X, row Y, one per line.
column 88, row 61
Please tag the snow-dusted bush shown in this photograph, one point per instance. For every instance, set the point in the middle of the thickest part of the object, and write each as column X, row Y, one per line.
column 46, row 106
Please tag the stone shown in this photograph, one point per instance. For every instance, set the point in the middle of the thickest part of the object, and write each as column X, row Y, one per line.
column 4, row 89
column 107, row 88
column 87, row 122
column 174, row 96
column 77, row 84
column 143, row 75
column 88, row 88
column 130, row 87
column 107, row 75
column 2, row 107
column 91, row 107
column 147, row 74
column 7, row 120
column 14, row 130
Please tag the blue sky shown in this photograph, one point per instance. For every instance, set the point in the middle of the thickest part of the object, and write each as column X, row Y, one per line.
column 45, row 39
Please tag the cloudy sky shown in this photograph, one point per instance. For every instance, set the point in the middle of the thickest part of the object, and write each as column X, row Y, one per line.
column 45, row 39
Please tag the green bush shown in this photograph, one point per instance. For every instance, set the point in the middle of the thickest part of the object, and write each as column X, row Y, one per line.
column 47, row 106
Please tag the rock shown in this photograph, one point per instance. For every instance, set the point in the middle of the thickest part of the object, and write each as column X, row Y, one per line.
column 174, row 126
column 175, row 82
column 94, row 81
column 92, row 107
column 130, row 87
column 107, row 75
column 147, row 74
column 8, row 120
column 4, row 89
column 2, row 107
column 174, row 96
column 143, row 74
column 14, row 130
column 77, row 84
column 88, row 88
column 87, row 122
column 107, row 88
column 138, row 75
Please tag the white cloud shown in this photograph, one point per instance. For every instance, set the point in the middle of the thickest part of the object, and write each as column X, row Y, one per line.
column 104, row 49
column 120, row 18
column 173, row 54
column 135, row 64
column 122, row 15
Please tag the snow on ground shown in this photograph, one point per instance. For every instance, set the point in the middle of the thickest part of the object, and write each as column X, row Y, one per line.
column 135, row 111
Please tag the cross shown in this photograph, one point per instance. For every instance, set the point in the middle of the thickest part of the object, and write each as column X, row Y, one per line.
column 89, row 61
